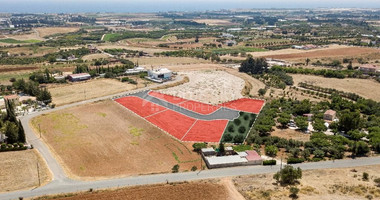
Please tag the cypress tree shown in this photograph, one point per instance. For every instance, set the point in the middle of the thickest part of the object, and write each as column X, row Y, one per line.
column 21, row 132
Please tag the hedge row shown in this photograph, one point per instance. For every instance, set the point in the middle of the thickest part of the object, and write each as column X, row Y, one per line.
column 12, row 147
column 269, row 162
column 295, row 160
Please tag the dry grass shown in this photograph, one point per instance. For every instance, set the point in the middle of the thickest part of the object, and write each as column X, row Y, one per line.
column 74, row 92
column 201, row 190
column 315, row 185
column 18, row 170
column 148, row 61
column 252, row 85
column 363, row 87
column 333, row 51
column 46, row 31
column 94, row 57
column 215, row 22
column 290, row 134
column 185, row 80
column 104, row 139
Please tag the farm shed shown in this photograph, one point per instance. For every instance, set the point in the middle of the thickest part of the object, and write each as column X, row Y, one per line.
column 79, row 77
column 253, row 157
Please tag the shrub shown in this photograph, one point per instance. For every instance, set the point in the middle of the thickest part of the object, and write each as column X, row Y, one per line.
column 319, row 153
column 194, row 168
column 377, row 181
column 269, row 162
column 288, row 175
column 231, row 128
column 227, row 138
column 365, row 176
column 295, row 160
column 242, row 129
column 271, row 150
column 246, row 117
column 293, row 192
column 175, row 168
column 237, row 122
column 238, row 139
column 198, row 146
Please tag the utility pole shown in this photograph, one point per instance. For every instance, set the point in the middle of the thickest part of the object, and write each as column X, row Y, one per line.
column 38, row 173
column 39, row 128
column 281, row 162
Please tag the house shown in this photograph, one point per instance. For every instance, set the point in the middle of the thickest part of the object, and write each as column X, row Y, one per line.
column 13, row 97
column 92, row 48
column 79, row 77
column 369, row 68
column 162, row 73
column 329, row 115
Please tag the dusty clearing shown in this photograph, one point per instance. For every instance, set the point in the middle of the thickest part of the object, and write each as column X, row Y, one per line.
column 290, row 134
column 148, row 61
column 252, row 85
column 333, row 51
column 104, row 139
column 215, row 22
column 363, row 87
column 209, row 86
column 202, row 190
column 19, row 170
column 95, row 56
column 315, row 185
column 46, row 31
column 73, row 92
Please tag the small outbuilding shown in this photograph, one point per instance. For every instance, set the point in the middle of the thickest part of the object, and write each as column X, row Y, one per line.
column 330, row 115
column 79, row 77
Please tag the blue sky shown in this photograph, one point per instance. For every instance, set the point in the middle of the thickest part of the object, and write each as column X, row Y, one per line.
column 169, row 5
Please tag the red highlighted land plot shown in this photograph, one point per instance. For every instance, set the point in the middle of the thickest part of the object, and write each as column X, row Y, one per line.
column 140, row 106
column 168, row 98
column 183, row 127
column 245, row 104
column 198, row 107
column 172, row 122
column 210, row 131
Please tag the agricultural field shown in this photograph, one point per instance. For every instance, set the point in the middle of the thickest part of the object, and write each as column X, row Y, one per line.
column 290, row 134
column 103, row 139
column 364, row 87
column 346, row 183
column 209, row 86
column 13, row 41
column 164, row 61
column 202, row 190
column 239, row 127
column 19, row 170
column 73, row 92
column 334, row 52
column 215, row 22
column 48, row 31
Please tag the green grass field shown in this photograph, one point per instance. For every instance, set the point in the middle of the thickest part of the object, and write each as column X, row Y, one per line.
column 237, row 49
column 13, row 41
column 110, row 36
column 237, row 130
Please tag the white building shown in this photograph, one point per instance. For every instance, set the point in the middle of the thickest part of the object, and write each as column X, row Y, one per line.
column 162, row 73
column 135, row 70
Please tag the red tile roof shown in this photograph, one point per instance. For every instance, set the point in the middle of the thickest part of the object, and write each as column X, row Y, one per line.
column 252, row 155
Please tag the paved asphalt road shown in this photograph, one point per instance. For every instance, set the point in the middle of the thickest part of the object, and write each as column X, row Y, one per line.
column 62, row 184
column 221, row 113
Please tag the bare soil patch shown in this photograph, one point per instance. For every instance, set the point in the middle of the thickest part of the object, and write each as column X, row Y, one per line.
column 204, row 190
column 104, row 139
column 73, row 92
column 46, row 31
column 148, row 61
column 19, row 170
column 364, row 87
column 94, row 56
column 323, row 184
column 332, row 52
column 290, row 134
column 212, row 87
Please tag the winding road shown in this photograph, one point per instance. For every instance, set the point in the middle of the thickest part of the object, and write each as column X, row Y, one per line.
column 61, row 183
